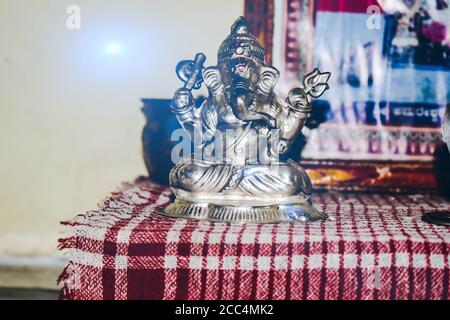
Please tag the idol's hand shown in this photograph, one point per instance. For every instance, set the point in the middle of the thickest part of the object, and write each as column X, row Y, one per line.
column 190, row 71
column 315, row 84
column 282, row 146
column 299, row 100
column 182, row 99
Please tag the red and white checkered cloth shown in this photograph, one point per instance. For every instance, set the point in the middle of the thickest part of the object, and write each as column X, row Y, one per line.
column 374, row 247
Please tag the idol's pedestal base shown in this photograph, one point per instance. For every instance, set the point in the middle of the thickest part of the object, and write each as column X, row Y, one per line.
column 240, row 213
column 373, row 246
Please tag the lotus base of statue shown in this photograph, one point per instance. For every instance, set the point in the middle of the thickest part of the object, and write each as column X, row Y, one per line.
column 244, row 213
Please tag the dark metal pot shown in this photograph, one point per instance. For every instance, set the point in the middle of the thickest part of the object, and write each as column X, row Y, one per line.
column 157, row 145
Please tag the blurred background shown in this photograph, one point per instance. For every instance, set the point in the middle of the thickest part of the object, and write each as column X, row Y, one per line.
column 73, row 73
column 70, row 121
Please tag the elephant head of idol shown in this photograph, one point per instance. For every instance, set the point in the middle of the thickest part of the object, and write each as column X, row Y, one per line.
column 240, row 61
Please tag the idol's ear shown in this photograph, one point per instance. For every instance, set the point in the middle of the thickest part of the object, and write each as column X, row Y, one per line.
column 212, row 78
column 268, row 78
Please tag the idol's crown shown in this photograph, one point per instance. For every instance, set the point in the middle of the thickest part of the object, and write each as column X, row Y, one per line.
column 241, row 43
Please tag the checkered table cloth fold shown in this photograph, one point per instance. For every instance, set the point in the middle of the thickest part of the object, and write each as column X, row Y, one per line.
column 373, row 247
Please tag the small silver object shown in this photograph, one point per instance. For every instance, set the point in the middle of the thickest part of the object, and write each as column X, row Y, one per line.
column 244, row 180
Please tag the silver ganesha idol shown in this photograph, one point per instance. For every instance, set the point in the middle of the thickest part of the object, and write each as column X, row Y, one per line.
column 237, row 171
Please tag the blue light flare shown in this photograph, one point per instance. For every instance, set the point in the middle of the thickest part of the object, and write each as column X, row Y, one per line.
column 114, row 49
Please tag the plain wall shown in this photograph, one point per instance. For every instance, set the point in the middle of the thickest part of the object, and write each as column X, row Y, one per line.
column 70, row 120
